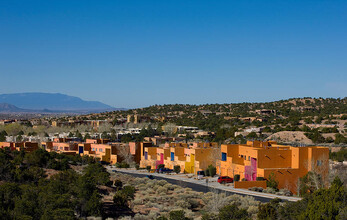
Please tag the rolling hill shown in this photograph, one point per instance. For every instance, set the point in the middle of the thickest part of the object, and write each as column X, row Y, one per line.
column 17, row 102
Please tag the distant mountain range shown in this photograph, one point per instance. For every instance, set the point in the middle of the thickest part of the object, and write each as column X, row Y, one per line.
column 49, row 102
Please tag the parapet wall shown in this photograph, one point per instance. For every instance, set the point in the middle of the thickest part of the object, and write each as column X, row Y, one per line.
column 249, row 184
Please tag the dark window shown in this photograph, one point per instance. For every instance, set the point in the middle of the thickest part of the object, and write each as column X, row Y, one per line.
column 224, row 157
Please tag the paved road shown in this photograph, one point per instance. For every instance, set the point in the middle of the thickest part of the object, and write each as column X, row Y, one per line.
column 200, row 186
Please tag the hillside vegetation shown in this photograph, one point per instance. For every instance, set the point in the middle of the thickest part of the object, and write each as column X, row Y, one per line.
column 320, row 120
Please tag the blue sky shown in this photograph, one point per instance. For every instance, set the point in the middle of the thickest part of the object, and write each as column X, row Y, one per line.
column 140, row 53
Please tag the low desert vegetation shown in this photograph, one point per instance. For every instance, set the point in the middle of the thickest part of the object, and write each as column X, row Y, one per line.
column 158, row 199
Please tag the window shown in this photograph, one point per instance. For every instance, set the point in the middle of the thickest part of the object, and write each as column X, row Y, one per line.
column 249, row 158
column 224, row 157
column 319, row 163
column 100, row 150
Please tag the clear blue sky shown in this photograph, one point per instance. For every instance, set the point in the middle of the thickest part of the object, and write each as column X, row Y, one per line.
column 139, row 53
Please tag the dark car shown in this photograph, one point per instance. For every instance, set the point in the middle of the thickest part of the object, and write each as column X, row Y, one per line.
column 165, row 170
column 201, row 173
column 225, row 179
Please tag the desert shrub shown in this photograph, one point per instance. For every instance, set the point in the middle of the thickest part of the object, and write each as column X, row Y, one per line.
column 148, row 168
column 118, row 184
column 207, row 172
column 118, row 165
column 155, row 187
column 178, row 215
column 247, row 201
column 215, row 201
column 259, row 178
column 183, row 196
column 271, row 181
column 211, row 170
column 120, row 199
column 179, row 190
column 129, row 192
column 232, row 212
column 244, row 179
column 252, row 210
column 190, row 214
column 149, row 204
column 137, row 167
column 151, row 183
column 146, row 198
column 285, row 192
column 138, row 181
column 161, row 166
column 209, row 216
column 177, row 169
column 152, row 214
column 269, row 190
column 161, row 190
column 141, row 187
column 182, row 204
column 194, row 203
column 256, row 189
column 169, row 186
column 153, row 199
column 161, row 182
column 122, row 165
column 140, row 217
column 138, row 202
column 125, row 218
column 269, row 210
column 237, row 177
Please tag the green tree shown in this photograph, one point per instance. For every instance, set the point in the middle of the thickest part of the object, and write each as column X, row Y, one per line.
column 326, row 203
column 178, row 215
column 269, row 210
column 232, row 211
column 272, row 181
column 339, row 138
column 177, row 169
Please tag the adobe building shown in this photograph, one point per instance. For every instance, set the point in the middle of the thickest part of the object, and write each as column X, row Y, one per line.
column 26, row 146
column 137, row 149
column 191, row 157
column 260, row 159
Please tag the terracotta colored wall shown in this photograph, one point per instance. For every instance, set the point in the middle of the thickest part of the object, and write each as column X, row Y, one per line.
column 249, row 184
column 288, row 163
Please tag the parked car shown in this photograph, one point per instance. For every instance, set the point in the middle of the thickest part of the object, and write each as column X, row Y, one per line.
column 115, row 171
column 165, row 170
column 225, row 179
column 200, row 174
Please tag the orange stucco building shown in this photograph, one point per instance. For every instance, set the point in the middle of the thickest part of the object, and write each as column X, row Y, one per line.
column 260, row 159
column 26, row 146
column 190, row 157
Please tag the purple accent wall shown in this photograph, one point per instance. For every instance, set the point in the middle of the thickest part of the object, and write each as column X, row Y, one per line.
column 248, row 173
column 251, row 171
column 254, row 168
column 161, row 161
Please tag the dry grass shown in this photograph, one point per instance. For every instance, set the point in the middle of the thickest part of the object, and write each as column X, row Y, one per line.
column 156, row 198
